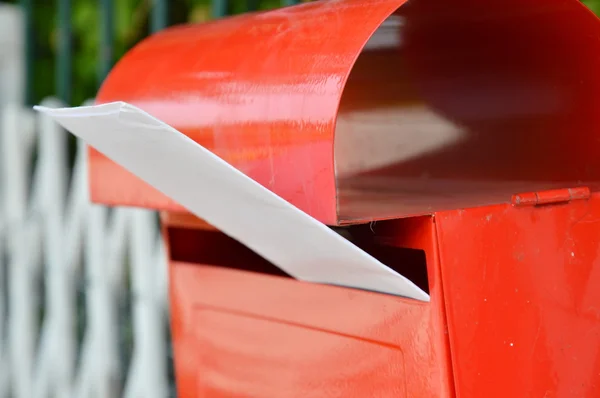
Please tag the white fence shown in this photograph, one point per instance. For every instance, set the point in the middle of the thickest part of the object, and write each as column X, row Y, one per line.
column 51, row 240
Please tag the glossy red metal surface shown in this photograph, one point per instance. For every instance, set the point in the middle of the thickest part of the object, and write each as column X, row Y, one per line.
column 251, row 334
column 522, row 298
column 261, row 90
column 446, row 106
column 513, row 311
column 485, row 100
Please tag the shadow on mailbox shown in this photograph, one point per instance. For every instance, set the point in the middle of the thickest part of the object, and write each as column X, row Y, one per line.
column 472, row 103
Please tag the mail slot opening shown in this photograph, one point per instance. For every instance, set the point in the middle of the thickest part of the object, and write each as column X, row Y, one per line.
column 449, row 107
column 411, row 262
column 211, row 247
column 214, row 248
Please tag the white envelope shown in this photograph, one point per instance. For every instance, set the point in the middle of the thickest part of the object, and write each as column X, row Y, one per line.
column 223, row 196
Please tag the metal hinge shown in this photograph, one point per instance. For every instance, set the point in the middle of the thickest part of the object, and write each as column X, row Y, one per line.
column 551, row 196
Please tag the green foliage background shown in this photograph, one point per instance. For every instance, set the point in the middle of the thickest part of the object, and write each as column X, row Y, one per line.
column 593, row 5
column 131, row 25
column 131, row 20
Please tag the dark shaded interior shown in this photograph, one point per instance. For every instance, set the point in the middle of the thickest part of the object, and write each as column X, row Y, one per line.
column 209, row 247
column 213, row 248
column 470, row 104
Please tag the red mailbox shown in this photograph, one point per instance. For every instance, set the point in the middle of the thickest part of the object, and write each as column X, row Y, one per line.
column 465, row 157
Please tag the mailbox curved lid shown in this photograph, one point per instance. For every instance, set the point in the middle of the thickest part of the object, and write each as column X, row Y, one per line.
column 433, row 105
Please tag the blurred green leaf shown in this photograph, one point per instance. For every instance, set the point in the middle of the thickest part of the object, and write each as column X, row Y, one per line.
column 593, row 5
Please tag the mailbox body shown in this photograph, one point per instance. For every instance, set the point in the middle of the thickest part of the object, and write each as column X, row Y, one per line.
column 514, row 308
column 513, row 312
column 241, row 329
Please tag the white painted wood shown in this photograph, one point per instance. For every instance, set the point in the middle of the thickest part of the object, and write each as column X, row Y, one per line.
column 49, row 230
